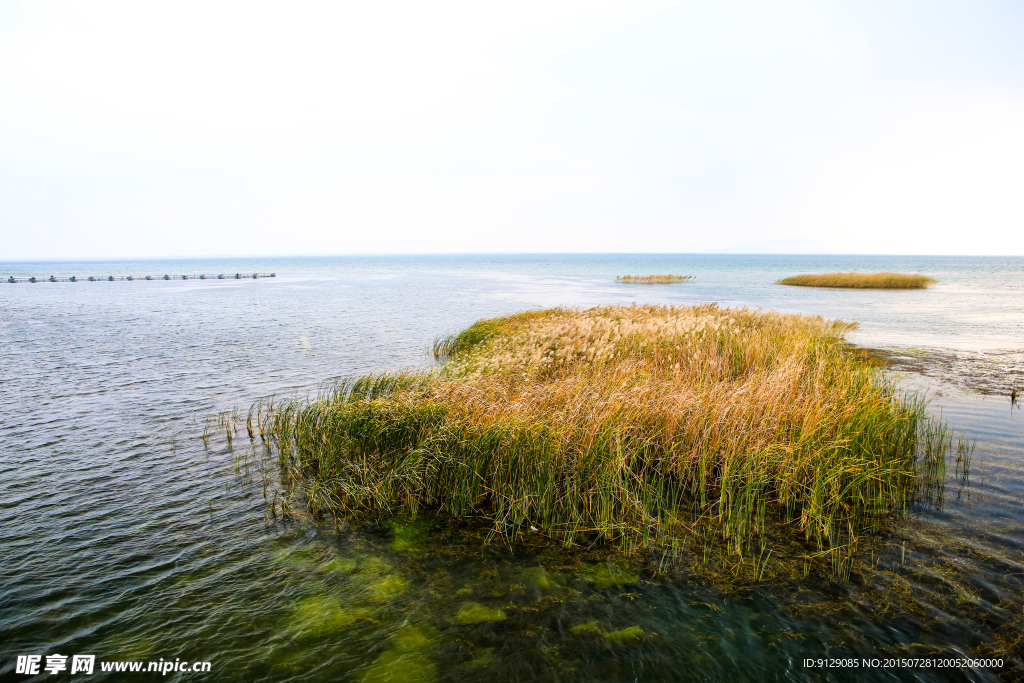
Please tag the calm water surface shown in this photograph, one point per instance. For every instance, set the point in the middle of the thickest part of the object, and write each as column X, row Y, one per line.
column 125, row 535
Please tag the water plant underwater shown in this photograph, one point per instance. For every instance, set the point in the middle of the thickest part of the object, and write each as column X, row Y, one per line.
column 636, row 426
column 860, row 280
column 653, row 279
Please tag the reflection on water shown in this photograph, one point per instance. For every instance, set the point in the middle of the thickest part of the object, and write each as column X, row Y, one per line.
column 126, row 535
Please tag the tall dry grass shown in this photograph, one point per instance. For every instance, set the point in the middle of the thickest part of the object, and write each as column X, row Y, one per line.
column 653, row 279
column 860, row 280
column 630, row 424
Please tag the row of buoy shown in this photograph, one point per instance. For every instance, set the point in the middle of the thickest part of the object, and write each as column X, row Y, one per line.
column 112, row 278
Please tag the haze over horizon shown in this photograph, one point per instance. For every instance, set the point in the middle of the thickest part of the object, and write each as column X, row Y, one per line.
column 144, row 130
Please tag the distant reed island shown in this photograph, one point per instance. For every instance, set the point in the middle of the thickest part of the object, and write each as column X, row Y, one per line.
column 632, row 425
column 653, row 279
column 860, row 280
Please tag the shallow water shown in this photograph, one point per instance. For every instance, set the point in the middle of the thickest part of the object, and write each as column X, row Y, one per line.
column 125, row 535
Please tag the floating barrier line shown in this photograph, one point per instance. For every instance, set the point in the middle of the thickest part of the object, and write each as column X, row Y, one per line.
column 116, row 278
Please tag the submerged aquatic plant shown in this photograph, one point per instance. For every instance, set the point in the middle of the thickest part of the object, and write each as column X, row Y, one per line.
column 653, row 279
column 475, row 613
column 634, row 425
column 860, row 280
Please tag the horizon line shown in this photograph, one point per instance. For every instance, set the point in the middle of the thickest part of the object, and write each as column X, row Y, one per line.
column 179, row 257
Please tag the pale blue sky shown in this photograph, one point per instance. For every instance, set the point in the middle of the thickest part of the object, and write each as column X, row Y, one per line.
column 153, row 129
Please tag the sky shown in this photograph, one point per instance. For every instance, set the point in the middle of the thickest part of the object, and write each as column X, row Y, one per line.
column 158, row 129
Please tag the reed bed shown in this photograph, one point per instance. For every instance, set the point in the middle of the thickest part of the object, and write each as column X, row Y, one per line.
column 860, row 280
column 634, row 425
column 653, row 279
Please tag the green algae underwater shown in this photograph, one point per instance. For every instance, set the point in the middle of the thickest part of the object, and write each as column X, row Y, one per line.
column 433, row 599
column 406, row 590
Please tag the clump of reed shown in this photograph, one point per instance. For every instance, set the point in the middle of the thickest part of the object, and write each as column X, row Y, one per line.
column 633, row 425
column 653, row 279
column 860, row 280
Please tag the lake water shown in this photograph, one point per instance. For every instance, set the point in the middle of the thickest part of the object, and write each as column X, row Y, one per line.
column 126, row 535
